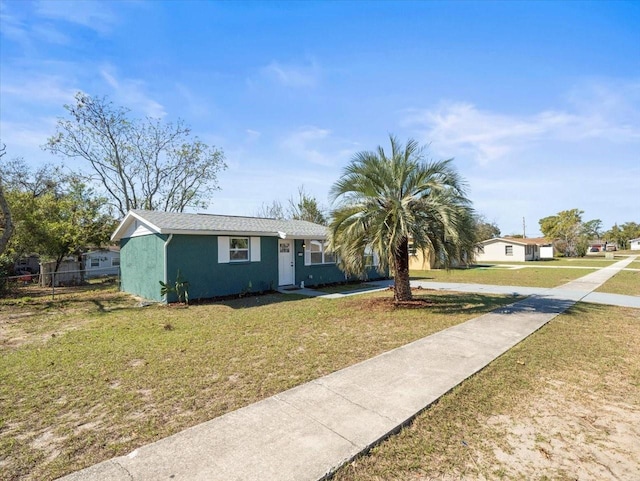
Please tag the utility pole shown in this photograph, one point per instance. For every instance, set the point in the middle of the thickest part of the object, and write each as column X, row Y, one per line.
column 524, row 230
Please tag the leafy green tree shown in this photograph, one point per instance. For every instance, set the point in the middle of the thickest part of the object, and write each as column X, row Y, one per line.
column 565, row 226
column 384, row 199
column 484, row 229
column 622, row 234
column 140, row 164
column 592, row 229
column 6, row 222
column 58, row 221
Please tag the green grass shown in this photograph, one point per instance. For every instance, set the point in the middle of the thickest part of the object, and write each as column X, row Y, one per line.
column 624, row 282
column 90, row 376
column 528, row 277
column 595, row 262
column 584, row 361
column 634, row 265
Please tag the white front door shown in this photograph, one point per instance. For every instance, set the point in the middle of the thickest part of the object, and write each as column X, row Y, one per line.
column 285, row 262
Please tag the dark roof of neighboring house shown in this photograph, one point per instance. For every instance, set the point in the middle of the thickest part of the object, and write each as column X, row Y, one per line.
column 209, row 224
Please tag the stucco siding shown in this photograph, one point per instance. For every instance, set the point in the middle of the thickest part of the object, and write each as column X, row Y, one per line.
column 197, row 259
column 142, row 265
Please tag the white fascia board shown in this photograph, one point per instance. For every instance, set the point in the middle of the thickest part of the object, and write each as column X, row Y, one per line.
column 128, row 219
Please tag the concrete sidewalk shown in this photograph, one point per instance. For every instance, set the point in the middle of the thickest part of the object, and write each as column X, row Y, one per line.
column 308, row 432
column 516, row 291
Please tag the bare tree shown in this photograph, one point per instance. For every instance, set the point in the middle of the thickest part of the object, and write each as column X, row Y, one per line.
column 5, row 222
column 271, row 211
column 306, row 208
column 145, row 164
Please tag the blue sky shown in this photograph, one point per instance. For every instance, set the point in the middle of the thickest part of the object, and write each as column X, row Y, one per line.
column 538, row 102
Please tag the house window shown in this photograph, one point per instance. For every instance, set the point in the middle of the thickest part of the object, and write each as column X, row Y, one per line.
column 370, row 258
column 95, row 262
column 317, row 253
column 115, row 262
column 412, row 249
column 238, row 249
column 508, row 250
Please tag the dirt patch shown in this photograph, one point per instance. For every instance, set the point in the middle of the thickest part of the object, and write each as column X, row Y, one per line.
column 564, row 436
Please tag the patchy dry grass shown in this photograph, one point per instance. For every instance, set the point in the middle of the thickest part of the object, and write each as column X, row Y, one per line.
column 91, row 376
column 624, row 282
column 525, row 276
column 564, row 404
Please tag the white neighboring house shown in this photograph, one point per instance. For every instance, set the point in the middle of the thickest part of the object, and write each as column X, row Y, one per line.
column 507, row 249
column 103, row 262
column 634, row 244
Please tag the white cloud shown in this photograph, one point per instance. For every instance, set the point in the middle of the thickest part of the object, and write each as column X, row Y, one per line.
column 97, row 16
column 252, row 135
column 51, row 89
column 195, row 104
column 131, row 92
column 315, row 145
column 296, row 76
column 25, row 139
column 597, row 113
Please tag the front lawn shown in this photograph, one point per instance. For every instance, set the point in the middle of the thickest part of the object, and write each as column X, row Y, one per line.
column 595, row 262
column 561, row 405
column 502, row 276
column 634, row 265
column 91, row 375
column 624, row 282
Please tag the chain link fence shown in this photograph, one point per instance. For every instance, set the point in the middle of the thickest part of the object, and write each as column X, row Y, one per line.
column 53, row 283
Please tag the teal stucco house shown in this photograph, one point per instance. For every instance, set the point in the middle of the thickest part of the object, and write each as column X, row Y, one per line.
column 222, row 255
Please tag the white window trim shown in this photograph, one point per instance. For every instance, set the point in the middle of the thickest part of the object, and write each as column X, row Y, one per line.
column 506, row 250
column 244, row 249
column 307, row 253
column 224, row 250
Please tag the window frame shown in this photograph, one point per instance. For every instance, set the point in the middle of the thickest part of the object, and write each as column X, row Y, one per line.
column 508, row 250
column 374, row 261
column 237, row 250
column 326, row 257
column 93, row 260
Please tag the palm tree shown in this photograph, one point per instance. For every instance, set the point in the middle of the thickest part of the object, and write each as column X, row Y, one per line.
column 384, row 201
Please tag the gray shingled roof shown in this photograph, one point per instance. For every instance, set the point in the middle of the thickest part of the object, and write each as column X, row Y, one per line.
column 173, row 222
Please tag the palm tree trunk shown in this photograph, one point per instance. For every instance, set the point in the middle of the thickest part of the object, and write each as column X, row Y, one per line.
column 402, row 288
